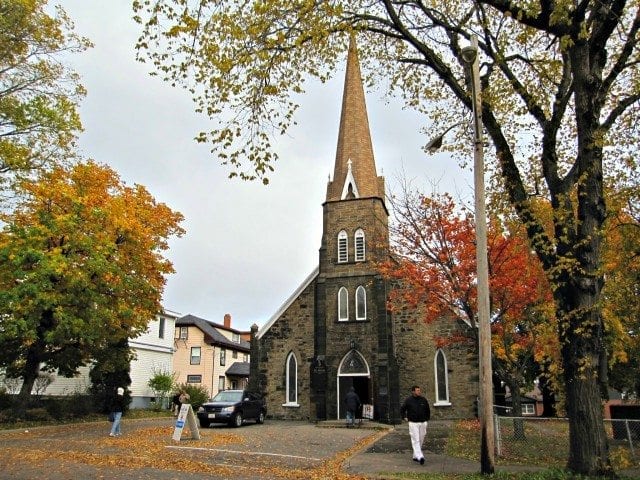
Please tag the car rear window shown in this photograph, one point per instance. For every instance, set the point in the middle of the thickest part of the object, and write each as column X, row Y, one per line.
column 227, row 397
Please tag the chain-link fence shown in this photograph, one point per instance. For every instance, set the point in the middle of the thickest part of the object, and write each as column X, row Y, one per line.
column 535, row 440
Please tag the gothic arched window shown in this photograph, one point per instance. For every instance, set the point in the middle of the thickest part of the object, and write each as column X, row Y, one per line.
column 343, row 305
column 361, row 303
column 343, row 247
column 292, row 380
column 359, row 245
column 442, row 378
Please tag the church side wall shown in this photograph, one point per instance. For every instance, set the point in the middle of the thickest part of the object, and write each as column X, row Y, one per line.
column 292, row 332
column 415, row 343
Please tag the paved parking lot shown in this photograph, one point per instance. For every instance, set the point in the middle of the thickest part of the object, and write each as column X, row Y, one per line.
column 276, row 449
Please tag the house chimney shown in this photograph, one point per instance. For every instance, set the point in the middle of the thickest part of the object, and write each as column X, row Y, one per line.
column 227, row 320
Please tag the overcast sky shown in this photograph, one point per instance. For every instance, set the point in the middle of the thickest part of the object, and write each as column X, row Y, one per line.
column 247, row 246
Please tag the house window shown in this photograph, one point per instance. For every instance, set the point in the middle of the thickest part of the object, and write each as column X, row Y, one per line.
column 235, row 337
column 343, row 305
column 361, row 303
column 245, row 357
column 184, row 333
column 234, row 354
column 343, row 247
column 292, row 380
column 234, row 384
column 194, row 378
column 223, row 357
column 221, row 383
column 160, row 327
column 442, row 380
column 528, row 409
column 359, row 244
column 195, row 355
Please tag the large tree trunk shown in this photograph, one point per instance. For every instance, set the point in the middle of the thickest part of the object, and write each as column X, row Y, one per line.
column 29, row 376
column 516, row 405
column 581, row 329
column 582, row 343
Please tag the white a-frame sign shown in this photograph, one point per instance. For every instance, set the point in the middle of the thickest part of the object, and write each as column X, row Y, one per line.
column 186, row 415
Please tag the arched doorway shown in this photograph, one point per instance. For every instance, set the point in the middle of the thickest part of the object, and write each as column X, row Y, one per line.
column 353, row 372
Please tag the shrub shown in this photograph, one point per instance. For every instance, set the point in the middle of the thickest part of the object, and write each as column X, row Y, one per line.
column 6, row 399
column 198, row 395
column 161, row 383
column 36, row 414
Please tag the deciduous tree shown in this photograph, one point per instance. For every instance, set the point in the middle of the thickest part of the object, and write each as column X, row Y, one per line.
column 559, row 82
column 39, row 94
column 435, row 268
column 81, row 268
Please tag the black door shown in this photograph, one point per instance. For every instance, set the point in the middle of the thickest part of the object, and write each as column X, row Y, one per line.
column 360, row 385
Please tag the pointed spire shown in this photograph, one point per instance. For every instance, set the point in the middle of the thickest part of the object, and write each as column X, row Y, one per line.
column 354, row 155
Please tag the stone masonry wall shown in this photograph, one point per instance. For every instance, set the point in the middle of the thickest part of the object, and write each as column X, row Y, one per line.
column 415, row 342
column 292, row 332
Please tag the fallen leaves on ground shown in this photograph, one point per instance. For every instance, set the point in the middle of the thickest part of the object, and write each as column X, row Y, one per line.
column 150, row 448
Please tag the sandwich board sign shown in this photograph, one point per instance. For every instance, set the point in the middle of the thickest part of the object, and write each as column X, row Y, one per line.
column 186, row 415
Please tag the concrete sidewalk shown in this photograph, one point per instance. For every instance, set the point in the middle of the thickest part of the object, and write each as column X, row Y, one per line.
column 392, row 454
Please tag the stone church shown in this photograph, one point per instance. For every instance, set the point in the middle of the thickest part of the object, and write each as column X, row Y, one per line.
column 335, row 331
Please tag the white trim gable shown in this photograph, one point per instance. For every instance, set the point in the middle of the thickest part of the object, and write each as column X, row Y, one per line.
column 349, row 180
column 288, row 302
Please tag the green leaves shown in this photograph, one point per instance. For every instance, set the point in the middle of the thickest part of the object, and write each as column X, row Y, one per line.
column 38, row 94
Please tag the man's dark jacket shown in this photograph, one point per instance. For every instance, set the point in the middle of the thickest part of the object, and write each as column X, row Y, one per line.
column 352, row 400
column 415, row 409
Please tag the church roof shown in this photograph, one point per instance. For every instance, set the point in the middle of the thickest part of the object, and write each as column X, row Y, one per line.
column 289, row 301
column 354, row 173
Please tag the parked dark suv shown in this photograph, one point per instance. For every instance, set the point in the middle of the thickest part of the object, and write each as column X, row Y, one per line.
column 232, row 407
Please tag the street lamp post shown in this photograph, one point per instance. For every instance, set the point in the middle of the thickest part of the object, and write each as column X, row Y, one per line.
column 485, row 411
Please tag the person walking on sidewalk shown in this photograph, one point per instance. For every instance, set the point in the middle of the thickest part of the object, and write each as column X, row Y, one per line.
column 415, row 410
column 117, row 407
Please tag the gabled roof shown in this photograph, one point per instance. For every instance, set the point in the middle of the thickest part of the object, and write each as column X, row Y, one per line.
column 210, row 330
column 238, row 369
column 287, row 303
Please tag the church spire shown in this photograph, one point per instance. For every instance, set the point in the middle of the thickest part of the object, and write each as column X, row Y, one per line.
column 355, row 169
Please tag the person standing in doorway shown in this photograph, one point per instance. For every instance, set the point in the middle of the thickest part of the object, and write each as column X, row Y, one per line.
column 415, row 410
column 117, row 407
column 352, row 400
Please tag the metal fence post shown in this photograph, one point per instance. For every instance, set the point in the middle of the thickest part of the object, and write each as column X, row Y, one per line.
column 626, row 424
column 498, row 438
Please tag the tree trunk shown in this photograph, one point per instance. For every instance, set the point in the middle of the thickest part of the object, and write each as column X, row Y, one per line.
column 516, row 411
column 581, row 328
column 548, row 397
column 589, row 449
column 29, row 376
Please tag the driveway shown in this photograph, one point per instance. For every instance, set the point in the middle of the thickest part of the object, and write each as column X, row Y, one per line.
column 276, row 449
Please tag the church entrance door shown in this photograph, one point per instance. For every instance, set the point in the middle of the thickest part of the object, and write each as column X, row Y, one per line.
column 353, row 372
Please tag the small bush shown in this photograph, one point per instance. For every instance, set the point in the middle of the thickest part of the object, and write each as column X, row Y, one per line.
column 36, row 414
column 198, row 395
column 6, row 399
column 7, row 415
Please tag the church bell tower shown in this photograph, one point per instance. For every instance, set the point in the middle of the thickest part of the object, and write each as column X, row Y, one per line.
column 353, row 344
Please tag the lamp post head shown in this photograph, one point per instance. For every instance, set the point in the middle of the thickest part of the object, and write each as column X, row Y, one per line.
column 469, row 54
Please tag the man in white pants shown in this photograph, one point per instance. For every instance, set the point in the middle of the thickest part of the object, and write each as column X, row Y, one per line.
column 415, row 410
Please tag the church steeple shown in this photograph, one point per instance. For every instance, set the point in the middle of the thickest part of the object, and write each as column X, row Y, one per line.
column 354, row 174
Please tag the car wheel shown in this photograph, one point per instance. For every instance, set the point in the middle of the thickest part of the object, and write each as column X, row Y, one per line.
column 260, row 418
column 236, row 421
column 204, row 423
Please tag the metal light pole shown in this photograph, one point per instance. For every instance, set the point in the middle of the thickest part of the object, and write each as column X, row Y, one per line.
column 485, row 411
